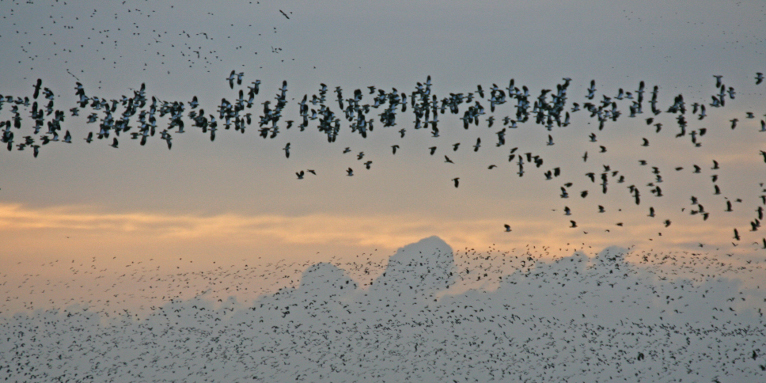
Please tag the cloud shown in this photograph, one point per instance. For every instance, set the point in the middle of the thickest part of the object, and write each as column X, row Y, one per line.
column 574, row 318
column 28, row 230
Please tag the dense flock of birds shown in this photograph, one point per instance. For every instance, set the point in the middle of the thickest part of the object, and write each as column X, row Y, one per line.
column 527, row 315
column 141, row 117
column 569, row 318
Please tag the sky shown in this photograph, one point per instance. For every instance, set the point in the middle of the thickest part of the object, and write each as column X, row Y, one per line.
column 238, row 200
column 215, row 260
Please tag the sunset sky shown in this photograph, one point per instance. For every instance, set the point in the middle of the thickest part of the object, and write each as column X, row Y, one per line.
column 238, row 198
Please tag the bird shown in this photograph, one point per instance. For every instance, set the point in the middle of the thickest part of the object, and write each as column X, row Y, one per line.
column 591, row 90
column 446, row 159
column 456, row 181
column 168, row 139
column 115, row 143
column 507, row 228
column 37, row 88
column 349, row 172
column 718, row 80
column 758, row 78
column 300, row 174
column 287, row 150
column 394, row 147
column 231, row 78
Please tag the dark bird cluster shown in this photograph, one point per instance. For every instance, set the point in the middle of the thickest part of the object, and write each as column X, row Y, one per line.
column 140, row 117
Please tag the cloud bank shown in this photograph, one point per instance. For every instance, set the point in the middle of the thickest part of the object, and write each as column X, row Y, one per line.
column 574, row 319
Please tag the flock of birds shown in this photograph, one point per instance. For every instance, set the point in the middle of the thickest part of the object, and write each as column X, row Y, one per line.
column 527, row 315
column 532, row 315
column 140, row 117
column 61, row 34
